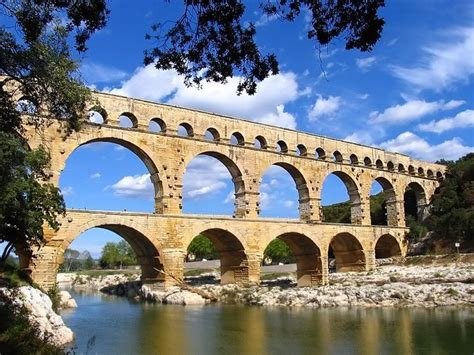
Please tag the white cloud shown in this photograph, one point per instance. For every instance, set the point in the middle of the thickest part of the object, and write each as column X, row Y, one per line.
column 444, row 63
column 95, row 176
column 96, row 73
column 363, row 96
column 137, row 186
column 324, row 107
column 265, row 19
column 415, row 146
column 266, row 106
column 461, row 120
column 366, row 63
column 392, row 42
column 205, row 175
column 360, row 137
column 412, row 110
column 67, row 191
column 288, row 203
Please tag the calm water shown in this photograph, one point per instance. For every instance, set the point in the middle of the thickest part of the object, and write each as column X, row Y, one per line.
column 116, row 326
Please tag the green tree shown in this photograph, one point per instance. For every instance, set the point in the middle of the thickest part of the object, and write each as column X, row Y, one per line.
column 202, row 248
column 117, row 255
column 279, row 252
column 213, row 40
column 35, row 60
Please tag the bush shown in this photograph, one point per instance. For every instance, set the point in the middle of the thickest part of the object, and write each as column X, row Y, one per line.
column 55, row 297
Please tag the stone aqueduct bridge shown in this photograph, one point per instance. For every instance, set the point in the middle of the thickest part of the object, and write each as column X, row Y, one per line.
column 247, row 149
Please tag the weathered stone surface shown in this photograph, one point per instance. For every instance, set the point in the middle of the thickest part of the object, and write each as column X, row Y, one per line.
column 66, row 300
column 161, row 239
column 183, row 297
column 41, row 314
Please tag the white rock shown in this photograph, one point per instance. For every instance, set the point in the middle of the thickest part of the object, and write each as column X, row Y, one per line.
column 184, row 298
column 66, row 300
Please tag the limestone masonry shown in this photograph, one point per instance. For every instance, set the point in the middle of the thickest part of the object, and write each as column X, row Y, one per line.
column 247, row 149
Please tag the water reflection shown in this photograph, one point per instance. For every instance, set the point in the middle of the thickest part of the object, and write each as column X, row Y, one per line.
column 123, row 327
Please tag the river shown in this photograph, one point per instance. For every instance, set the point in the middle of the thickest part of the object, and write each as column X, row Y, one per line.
column 112, row 325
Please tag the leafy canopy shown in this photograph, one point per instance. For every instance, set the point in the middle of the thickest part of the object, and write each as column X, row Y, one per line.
column 212, row 40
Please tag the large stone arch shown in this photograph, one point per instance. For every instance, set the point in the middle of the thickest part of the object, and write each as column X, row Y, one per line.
column 232, row 255
column 350, row 182
column 391, row 199
column 348, row 252
column 304, row 198
column 140, row 150
column 310, row 269
column 235, row 171
column 387, row 246
column 420, row 199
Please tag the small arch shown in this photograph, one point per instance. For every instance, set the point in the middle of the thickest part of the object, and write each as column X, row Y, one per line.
column 439, row 175
column 260, row 142
column 308, row 258
column 27, row 106
column 157, row 125
column 421, row 171
column 237, row 139
column 390, row 166
column 337, row 157
column 401, row 168
column 97, row 117
column 231, row 252
column 348, row 253
column 354, row 159
column 212, row 134
column 367, row 161
column 387, row 247
column 383, row 207
column 429, row 173
column 411, row 170
column 379, row 164
column 185, row 130
column 320, row 154
column 128, row 120
column 281, row 147
column 301, row 150
column 415, row 202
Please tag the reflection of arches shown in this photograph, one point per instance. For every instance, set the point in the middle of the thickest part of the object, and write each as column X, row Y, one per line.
column 308, row 258
column 260, row 142
column 387, row 247
column 301, row 187
column 415, row 202
column 348, row 252
column 234, row 263
column 236, row 176
column 147, row 253
column 141, row 154
column 320, row 154
column 389, row 206
column 354, row 196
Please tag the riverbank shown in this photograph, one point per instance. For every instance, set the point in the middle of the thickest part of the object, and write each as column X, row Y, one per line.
column 418, row 282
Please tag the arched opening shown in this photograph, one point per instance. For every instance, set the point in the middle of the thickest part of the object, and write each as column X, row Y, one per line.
column 387, row 247
column 97, row 115
column 298, row 248
column 301, row 150
column 231, row 253
column 26, row 106
column 237, row 139
column 157, row 125
column 383, row 208
column 401, row 168
column 421, row 171
column 411, row 170
column 439, row 175
column 113, row 247
column 320, row 154
column 185, row 130
column 348, row 253
column 282, row 189
column 213, row 184
column 111, row 174
column 338, row 157
column 367, row 161
column 128, row 120
column 430, row 174
column 390, row 166
column 281, row 147
column 260, row 142
column 415, row 202
column 379, row 164
column 340, row 199
column 212, row 135
column 354, row 159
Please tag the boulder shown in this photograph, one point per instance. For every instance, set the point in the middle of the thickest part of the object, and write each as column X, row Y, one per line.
column 66, row 300
column 184, row 298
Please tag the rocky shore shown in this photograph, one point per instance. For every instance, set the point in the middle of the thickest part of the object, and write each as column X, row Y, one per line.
column 387, row 286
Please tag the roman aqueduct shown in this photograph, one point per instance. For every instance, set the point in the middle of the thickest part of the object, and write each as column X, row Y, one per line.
column 247, row 149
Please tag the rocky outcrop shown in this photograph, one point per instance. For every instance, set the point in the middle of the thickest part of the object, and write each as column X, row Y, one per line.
column 41, row 314
column 66, row 300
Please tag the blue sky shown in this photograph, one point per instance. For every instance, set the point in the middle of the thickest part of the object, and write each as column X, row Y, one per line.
column 414, row 93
